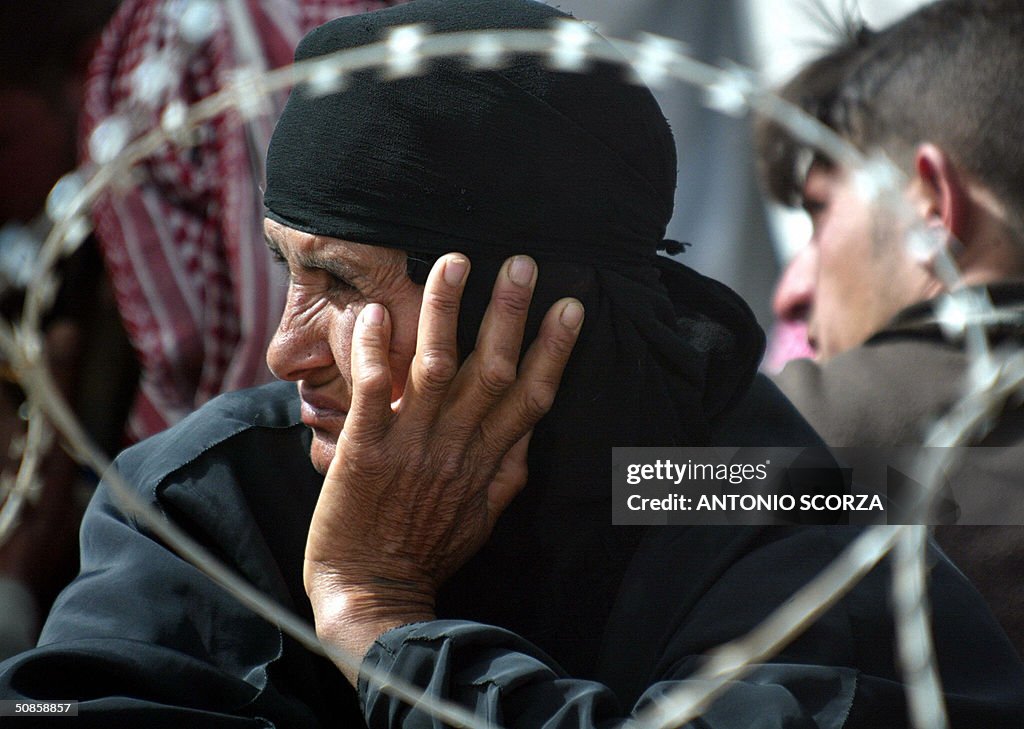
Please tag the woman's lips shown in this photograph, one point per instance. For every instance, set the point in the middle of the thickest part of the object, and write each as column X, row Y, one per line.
column 321, row 414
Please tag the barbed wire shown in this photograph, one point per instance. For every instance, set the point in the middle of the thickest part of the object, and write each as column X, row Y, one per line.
column 118, row 145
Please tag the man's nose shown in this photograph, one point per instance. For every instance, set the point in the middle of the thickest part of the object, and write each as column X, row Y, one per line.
column 794, row 294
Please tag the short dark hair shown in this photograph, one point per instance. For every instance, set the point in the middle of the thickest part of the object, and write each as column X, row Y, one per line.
column 951, row 73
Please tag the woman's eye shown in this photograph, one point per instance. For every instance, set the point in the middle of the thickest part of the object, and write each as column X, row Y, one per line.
column 338, row 284
column 314, row 276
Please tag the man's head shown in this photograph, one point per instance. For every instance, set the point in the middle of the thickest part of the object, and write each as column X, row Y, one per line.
column 940, row 93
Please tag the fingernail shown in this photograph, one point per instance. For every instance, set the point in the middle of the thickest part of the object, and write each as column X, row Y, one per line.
column 373, row 314
column 455, row 270
column 521, row 270
column 571, row 315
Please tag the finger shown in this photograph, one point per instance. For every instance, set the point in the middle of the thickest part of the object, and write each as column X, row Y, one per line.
column 533, row 393
column 509, row 480
column 491, row 369
column 436, row 361
column 370, row 414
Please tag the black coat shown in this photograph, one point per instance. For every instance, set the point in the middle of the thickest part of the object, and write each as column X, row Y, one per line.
column 142, row 639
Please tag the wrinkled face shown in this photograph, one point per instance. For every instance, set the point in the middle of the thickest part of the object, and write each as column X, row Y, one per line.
column 330, row 281
column 856, row 275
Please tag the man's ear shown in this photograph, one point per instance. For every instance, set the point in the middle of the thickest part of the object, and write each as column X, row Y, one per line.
column 944, row 196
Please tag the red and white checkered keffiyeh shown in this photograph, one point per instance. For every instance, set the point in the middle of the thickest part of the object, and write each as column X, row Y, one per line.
column 183, row 244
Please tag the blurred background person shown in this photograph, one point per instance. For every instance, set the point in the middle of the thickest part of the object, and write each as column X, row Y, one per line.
column 183, row 244
column 935, row 93
column 45, row 47
column 178, row 252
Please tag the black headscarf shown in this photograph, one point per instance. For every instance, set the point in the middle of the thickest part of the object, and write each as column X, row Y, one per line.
column 578, row 171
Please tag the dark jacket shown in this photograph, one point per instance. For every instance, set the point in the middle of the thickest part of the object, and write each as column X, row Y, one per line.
column 142, row 639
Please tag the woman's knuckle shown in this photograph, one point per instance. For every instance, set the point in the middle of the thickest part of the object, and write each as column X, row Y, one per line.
column 372, row 379
column 496, row 376
column 444, row 304
column 448, row 465
column 538, row 401
column 515, row 302
column 438, row 367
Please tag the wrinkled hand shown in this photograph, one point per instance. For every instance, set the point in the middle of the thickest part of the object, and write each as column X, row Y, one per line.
column 414, row 489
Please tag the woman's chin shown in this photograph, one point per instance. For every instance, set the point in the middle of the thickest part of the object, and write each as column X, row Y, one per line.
column 321, row 452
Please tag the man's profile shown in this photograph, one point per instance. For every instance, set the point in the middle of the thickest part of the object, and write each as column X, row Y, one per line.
column 937, row 94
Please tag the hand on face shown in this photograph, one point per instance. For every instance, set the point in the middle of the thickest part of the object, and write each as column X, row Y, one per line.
column 415, row 487
column 330, row 281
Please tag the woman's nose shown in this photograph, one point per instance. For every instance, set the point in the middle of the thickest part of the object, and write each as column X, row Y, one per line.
column 298, row 348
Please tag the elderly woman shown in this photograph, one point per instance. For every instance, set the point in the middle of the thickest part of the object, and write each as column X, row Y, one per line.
column 445, row 530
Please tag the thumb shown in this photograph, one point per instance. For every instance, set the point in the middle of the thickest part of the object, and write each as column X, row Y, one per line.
column 370, row 412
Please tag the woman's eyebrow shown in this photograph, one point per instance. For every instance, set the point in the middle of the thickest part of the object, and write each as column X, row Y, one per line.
column 316, row 261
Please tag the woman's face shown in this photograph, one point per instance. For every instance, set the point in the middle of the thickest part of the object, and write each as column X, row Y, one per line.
column 329, row 282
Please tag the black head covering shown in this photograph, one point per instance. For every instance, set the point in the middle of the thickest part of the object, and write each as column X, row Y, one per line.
column 431, row 163
column 577, row 170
